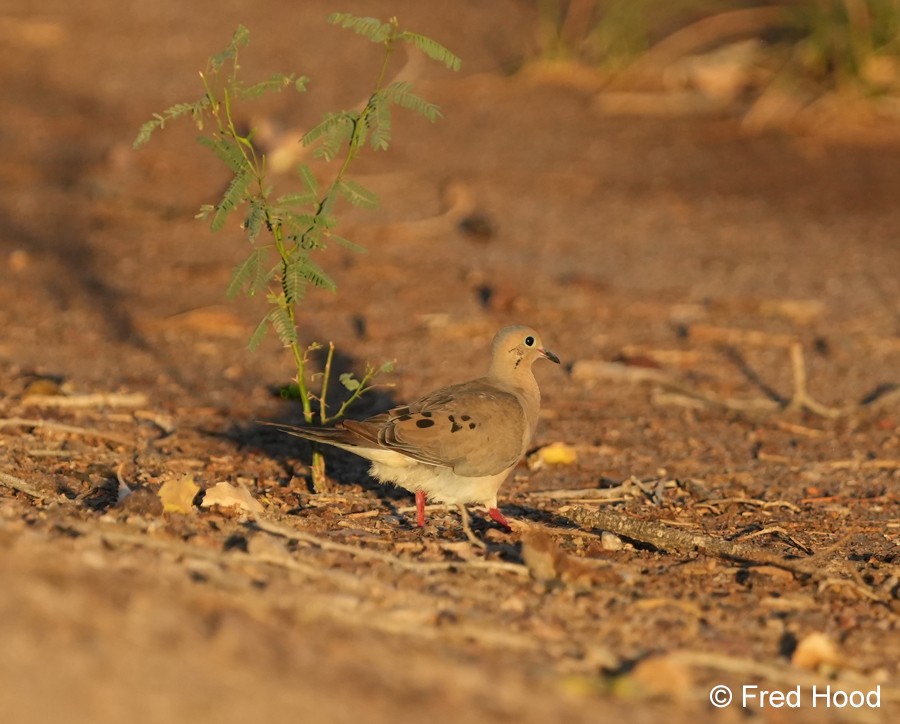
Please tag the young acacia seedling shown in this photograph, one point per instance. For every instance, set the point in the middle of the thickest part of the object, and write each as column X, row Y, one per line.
column 289, row 231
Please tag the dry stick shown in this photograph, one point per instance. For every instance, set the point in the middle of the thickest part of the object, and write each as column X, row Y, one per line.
column 669, row 539
column 616, row 493
column 801, row 399
column 885, row 399
column 15, row 483
column 11, row 481
column 784, row 534
column 117, row 534
column 764, row 504
column 62, row 427
column 100, row 399
column 860, row 465
column 324, row 606
column 364, row 553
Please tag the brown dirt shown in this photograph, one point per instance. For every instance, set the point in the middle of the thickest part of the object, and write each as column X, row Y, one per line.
column 662, row 244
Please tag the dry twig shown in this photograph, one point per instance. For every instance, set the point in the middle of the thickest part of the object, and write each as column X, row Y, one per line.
column 787, row 537
column 667, row 538
column 11, row 481
column 100, row 399
column 801, row 399
column 688, row 396
column 62, row 427
column 364, row 553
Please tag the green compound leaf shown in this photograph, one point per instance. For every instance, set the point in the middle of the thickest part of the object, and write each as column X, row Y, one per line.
column 275, row 84
column 401, row 93
column 357, row 194
column 225, row 150
column 256, row 216
column 159, row 120
column 432, row 49
column 316, row 276
column 302, row 198
column 234, row 195
column 293, row 282
column 333, row 131
column 240, row 38
column 257, row 337
column 251, row 274
column 282, row 324
column 309, row 180
column 347, row 244
column 378, row 118
column 370, row 28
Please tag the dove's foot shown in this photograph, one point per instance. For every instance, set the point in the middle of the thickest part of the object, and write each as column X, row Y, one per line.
column 498, row 517
column 420, row 508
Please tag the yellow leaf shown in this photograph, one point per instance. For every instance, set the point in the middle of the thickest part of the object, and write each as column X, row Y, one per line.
column 178, row 495
column 816, row 650
column 557, row 453
column 228, row 495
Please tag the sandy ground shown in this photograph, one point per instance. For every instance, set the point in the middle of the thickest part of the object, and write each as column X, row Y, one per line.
column 673, row 263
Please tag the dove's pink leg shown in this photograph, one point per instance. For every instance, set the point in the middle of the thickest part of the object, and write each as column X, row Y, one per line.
column 420, row 508
column 498, row 516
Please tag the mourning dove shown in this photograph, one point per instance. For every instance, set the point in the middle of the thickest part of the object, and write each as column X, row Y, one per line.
column 457, row 444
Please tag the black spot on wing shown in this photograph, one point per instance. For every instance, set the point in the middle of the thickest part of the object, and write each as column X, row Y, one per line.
column 424, row 423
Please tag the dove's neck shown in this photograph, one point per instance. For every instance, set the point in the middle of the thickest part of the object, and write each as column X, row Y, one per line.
column 520, row 381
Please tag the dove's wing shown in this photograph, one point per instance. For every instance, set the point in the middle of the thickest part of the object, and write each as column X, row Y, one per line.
column 476, row 428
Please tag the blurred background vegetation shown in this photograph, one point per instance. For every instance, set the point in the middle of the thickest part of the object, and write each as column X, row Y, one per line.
column 780, row 64
column 830, row 42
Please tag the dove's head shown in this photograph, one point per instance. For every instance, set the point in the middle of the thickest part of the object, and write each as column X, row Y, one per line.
column 516, row 348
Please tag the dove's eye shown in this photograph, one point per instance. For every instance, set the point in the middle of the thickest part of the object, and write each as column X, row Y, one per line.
column 529, row 341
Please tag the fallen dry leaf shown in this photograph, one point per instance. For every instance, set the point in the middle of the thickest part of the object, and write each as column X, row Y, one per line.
column 178, row 495
column 657, row 677
column 816, row 650
column 228, row 496
column 43, row 386
column 541, row 554
column 557, row 453
column 549, row 564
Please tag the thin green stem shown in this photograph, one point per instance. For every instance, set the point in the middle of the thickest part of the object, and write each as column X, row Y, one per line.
column 364, row 387
column 299, row 357
column 300, row 362
column 326, row 379
column 389, row 51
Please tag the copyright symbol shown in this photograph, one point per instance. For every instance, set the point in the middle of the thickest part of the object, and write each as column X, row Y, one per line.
column 720, row 696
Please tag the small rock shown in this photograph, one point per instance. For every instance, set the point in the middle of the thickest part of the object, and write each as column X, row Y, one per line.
column 610, row 541
column 816, row 650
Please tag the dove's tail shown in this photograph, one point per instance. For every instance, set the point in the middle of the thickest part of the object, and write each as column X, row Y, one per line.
column 337, row 436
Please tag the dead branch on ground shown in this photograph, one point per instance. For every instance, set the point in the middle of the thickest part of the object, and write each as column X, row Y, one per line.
column 670, row 539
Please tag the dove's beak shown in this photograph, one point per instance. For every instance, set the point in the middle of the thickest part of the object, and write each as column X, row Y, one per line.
column 547, row 354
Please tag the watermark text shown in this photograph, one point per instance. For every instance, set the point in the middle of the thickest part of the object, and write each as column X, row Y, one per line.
column 751, row 696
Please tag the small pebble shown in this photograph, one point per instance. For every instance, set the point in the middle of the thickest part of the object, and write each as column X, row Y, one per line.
column 610, row 541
